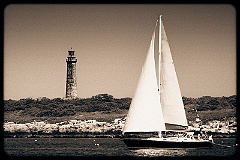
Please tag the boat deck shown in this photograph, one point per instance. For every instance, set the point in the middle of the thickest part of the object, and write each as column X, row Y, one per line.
column 176, row 139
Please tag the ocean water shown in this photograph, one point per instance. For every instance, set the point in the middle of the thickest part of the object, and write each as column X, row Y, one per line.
column 102, row 147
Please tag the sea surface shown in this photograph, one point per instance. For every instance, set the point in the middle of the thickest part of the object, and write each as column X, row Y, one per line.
column 103, row 147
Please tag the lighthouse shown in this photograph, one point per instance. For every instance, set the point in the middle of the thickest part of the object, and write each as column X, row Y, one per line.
column 71, row 82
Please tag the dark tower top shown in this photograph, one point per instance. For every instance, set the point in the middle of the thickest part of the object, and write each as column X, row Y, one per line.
column 71, row 58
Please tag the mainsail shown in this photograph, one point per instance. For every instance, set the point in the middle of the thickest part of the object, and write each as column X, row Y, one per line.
column 150, row 109
column 171, row 99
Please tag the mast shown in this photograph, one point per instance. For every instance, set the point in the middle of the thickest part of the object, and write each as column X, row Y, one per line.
column 159, row 50
column 159, row 61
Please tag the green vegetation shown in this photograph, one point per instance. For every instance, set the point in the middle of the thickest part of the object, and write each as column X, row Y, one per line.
column 104, row 107
column 210, row 108
column 57, row 109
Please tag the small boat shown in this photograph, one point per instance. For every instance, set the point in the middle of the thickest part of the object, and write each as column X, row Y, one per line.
column 157, row 105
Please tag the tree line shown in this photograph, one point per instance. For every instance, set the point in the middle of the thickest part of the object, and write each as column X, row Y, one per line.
column 210, row 103
column 59, row 107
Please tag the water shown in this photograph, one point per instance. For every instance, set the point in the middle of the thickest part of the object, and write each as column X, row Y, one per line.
column 105, row 147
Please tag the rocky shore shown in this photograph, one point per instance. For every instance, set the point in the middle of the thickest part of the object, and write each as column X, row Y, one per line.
column 93, row 128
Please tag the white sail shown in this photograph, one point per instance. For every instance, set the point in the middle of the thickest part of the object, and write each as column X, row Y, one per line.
column 149, row 110
column 145, row 113
column 171, row 99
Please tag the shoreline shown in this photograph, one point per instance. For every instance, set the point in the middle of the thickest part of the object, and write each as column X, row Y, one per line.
column 92, row 135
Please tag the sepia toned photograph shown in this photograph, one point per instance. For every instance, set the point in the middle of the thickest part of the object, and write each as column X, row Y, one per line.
column 120, row 80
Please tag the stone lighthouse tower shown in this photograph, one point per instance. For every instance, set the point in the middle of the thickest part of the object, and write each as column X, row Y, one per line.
column 71, row 82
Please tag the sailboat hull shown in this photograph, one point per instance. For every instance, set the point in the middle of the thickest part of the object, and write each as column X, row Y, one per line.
column 151, row 143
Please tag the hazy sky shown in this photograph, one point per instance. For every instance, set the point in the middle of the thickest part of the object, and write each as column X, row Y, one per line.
column 111, row 43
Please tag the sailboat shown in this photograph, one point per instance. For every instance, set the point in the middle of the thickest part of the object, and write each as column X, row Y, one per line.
column 157, row 105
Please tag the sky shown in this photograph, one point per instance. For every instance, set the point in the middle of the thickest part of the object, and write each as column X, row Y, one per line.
column 111, row 43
